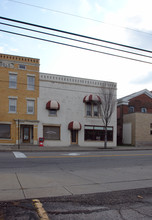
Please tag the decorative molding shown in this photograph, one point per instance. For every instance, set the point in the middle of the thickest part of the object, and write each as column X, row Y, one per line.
column 75, row 80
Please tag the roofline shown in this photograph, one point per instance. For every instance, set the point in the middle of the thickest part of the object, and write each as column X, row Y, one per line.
column 125, row 100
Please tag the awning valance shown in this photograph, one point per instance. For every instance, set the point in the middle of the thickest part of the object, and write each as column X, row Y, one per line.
column 74, row 125
column 52, row 104
column 92, row 98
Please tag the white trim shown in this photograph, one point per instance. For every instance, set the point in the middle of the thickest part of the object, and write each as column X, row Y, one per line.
column 5, row 122
column 28, row 74
column 30, row 99
column 76, row 81
column 125, row 100
column 14, row 73
column 12, row 97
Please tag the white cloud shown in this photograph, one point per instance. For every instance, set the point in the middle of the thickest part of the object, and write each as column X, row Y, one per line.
column 136, row 14
column 99, row 8
column 1, row 49
column 85, row 7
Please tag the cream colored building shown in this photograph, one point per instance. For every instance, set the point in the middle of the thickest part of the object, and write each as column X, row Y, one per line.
column 19, row 89
column 137, row 129
column 69, row 111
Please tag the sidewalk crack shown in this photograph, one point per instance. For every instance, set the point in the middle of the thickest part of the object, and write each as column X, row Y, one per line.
column 20, row 185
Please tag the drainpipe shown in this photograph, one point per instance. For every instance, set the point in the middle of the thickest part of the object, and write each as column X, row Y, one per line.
column 18, row 134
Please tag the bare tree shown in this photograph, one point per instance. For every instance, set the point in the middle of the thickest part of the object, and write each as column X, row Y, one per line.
column 108, row 102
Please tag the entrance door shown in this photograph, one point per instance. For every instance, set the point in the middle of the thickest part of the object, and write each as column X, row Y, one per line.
column 74, row 137
column 26, row 134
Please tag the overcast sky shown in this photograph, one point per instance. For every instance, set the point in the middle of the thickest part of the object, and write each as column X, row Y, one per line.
column 126, row 22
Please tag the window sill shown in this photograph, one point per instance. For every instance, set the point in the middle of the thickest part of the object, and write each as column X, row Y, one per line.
column 97, row 117
column 52, row 116
column 5, row 139
column 96, row 141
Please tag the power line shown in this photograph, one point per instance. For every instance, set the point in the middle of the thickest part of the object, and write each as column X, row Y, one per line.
column 78, row 47
column 78, row 16
column 74, row 34
column 80, row 41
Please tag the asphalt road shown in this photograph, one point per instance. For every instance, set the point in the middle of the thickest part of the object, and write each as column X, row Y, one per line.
column 76, row 185
column 43, row 161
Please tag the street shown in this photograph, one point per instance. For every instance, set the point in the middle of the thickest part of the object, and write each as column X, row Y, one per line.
column 41, row 174
column 91, row 185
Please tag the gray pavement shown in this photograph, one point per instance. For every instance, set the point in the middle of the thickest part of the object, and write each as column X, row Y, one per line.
column 19, row 185
column 36, row 148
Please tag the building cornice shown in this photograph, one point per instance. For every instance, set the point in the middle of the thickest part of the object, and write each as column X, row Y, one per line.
column 76, row 80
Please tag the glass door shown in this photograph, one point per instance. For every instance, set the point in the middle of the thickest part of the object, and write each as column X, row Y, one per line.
column 26, row 134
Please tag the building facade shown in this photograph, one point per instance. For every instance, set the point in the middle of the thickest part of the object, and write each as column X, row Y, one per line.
column 69, row 111
column 134, row 119
column 19, row 89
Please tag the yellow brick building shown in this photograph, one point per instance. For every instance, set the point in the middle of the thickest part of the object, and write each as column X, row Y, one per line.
column 19, row 91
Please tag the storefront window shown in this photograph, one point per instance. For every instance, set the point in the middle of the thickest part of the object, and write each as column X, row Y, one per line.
column 5, row 131
column 51, row 132
column 97, row 133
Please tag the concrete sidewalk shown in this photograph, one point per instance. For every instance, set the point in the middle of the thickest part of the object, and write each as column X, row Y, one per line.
column 19, row 185
column 37, row 148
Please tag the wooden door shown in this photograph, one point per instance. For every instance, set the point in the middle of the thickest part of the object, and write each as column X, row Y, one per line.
column 74, row 137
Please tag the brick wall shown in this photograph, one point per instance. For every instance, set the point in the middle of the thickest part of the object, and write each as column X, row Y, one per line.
column 10, row 64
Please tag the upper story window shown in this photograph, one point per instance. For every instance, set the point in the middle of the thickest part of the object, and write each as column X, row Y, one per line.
column 30, row 82
column 12, row 105
column 53, row 112
column 12, row 80
column 131, row 109
column 22, row 66
column 143, row 110
column 92, row 109
column 92, row 105
column 53, row 106
column 30, row 107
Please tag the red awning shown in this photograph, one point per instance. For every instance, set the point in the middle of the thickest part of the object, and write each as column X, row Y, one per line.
column 52, row 104
column 92, row 98
column 74, row 125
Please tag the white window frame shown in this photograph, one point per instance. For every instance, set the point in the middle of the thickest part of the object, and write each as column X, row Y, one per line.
column 30, row 86
column 22, row 66
column 13, row 80
column 131, row 109
column 29, row 102
column 53, row 112
column 12, row 103
column 144, row 110
column 93, row 109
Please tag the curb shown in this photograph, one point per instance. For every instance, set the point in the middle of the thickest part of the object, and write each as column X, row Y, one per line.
column 70, row 149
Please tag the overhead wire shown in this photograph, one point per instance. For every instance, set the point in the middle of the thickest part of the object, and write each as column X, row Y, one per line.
column 74, row 46
column 68, row 38
column 75, row 34
column 81, row 17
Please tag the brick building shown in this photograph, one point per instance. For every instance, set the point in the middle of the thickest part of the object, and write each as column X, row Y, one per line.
column 134, row 119
column 63, row 110
column 19, row 89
